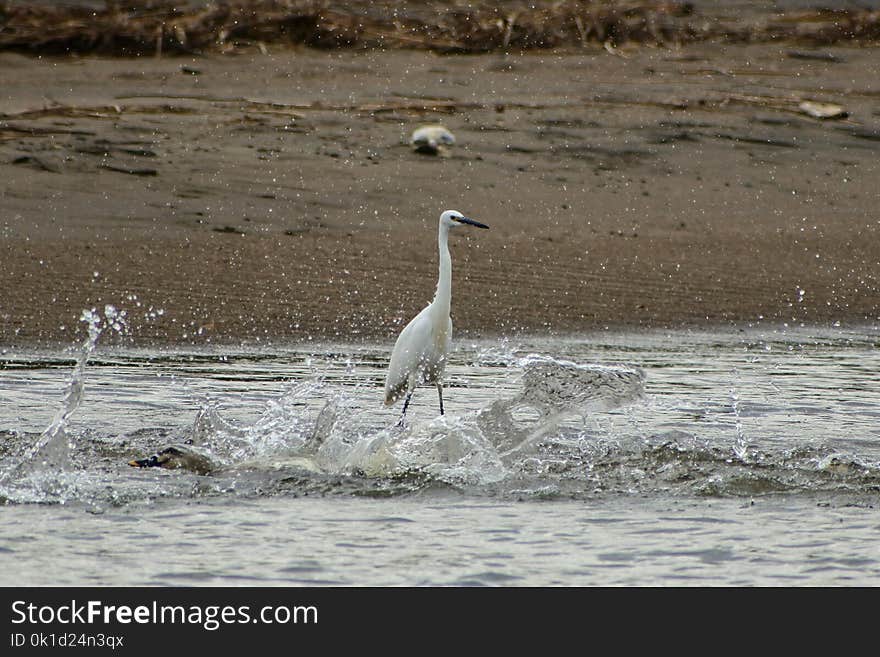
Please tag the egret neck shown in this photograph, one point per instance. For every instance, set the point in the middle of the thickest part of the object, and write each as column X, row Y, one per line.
column 443, row 295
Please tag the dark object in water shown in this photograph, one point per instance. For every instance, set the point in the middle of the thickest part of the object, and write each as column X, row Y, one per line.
column 174, row 458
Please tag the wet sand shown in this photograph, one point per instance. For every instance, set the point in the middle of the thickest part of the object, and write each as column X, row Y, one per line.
column 273, row 197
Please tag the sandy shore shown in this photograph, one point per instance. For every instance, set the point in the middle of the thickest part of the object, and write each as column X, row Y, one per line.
column 273, row 197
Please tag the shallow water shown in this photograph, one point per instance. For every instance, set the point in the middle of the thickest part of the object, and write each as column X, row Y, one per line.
column 729, row 458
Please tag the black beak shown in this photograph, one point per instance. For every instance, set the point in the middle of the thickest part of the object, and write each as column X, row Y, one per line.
column 471, row 222
column 157, row 460
column 149, row 462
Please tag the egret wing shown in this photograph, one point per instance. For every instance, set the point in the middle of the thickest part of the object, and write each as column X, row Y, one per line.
column 407, row 357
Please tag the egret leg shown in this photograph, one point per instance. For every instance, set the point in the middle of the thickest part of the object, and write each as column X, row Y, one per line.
column 405, row 404
column 440, row 393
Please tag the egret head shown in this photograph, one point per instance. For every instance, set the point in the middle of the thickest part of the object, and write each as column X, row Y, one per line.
column 452, row 218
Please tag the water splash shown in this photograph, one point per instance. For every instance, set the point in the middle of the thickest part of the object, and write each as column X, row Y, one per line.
column 554, row 390
column 552, row 386
column 482, row 447
column 741, row 444
column 287, row 425
column 46, row 464
column 534, row 426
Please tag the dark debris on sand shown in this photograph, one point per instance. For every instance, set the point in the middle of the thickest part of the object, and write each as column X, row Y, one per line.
column 117, row 27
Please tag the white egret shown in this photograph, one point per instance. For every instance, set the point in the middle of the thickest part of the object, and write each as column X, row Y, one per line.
column 419, row 355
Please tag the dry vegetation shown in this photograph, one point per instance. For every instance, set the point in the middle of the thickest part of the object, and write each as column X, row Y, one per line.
column 161, row 26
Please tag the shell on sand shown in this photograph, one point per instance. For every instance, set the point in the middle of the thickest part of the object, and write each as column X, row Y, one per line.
column 432, row 139
column 822, row 110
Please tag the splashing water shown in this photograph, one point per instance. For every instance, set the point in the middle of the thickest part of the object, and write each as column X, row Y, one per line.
column 527, row 425
column 740, row 447
column 699, row 441
column 45, row 462
column 476, row 448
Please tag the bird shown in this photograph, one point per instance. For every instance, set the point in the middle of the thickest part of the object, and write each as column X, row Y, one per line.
column 176, row 457
column 419, row 355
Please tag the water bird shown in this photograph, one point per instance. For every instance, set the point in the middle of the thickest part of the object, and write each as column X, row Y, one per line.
column 176, row 458
column 419, row 355
column 432, row 139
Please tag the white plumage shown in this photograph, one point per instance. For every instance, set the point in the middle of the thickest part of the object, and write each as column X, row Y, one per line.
column 419, row 355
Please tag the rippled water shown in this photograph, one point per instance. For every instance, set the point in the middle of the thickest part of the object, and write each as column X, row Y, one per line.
column 734, row 458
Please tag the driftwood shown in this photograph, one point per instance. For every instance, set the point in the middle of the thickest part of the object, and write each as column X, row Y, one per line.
column 156, row 27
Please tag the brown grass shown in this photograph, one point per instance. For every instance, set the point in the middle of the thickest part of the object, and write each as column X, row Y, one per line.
column 163, row 27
